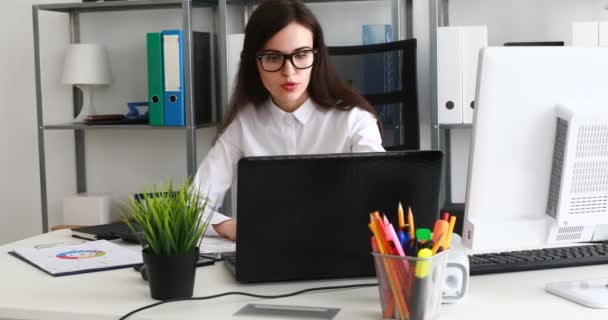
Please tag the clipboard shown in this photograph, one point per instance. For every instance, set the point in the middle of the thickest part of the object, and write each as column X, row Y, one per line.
column 63, row 260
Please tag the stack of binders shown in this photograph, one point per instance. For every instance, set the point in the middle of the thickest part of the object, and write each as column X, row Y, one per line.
column 166, row 78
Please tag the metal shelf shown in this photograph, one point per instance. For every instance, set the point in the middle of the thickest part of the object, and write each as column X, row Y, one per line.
column 78, row 7
column 80, row 126
column 73, row 11
column 455, row 125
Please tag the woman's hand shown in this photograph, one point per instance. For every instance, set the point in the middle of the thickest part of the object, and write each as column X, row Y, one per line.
column 226, row 229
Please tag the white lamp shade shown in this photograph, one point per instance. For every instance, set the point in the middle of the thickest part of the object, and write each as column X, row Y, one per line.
column 86, row 63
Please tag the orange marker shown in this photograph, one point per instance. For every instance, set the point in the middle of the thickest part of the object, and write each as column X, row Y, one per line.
column 441, row 227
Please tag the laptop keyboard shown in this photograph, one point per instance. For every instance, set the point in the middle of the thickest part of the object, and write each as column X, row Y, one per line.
column 547, row 258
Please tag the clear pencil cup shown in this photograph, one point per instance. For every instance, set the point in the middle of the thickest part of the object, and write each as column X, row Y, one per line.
column 410, row 288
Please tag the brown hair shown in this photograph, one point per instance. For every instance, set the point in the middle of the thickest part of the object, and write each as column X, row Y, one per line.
column 326, row 88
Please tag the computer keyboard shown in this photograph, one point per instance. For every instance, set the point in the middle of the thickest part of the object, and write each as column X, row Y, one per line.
column 547, row 258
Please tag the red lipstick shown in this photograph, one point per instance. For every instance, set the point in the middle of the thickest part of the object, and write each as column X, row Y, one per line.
column 289, row 86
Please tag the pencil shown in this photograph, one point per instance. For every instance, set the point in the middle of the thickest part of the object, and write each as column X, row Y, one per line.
column 401, row 217
column 410, row 221
column 450, row 230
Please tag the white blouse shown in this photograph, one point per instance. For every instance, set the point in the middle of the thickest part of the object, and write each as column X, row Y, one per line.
column 268, row 130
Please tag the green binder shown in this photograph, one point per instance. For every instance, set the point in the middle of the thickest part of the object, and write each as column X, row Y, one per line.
column 154, row 43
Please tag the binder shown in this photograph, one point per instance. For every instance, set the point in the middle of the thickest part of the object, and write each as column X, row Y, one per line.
column 457, row 56
column 174, row 78
column 585, row 34
column 603, row 34
column 173, row 53
column 473, row 39
column 154, row 46
column 449, row 75
column 202, row 77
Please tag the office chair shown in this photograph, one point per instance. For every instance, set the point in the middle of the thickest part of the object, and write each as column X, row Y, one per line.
column 385, row 74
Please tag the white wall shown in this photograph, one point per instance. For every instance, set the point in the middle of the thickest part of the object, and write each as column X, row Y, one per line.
column 19, row 189
column 508, row 21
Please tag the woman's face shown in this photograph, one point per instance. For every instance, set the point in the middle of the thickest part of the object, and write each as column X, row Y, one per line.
column 288, row 85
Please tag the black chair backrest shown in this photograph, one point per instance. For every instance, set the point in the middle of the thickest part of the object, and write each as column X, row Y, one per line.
column 385, row 74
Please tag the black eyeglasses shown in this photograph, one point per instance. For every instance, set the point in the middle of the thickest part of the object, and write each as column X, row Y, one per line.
column 274, row 61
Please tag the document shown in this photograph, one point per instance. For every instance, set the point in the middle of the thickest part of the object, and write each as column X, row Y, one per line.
column 85, row 257
column 217, row 245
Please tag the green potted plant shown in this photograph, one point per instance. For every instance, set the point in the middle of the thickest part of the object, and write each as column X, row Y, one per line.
column 170, row 226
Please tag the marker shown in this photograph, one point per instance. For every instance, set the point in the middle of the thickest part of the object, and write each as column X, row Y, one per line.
column 423, row 235
column 423, row 285
column 441, row 227
column 446, row 216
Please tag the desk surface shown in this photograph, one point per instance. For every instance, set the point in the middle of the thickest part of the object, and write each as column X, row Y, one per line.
column 27, row 293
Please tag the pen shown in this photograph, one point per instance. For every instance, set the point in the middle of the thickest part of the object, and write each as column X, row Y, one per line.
column 49, row 245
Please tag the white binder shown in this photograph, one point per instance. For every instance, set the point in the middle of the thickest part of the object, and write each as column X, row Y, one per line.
column 585, row 34
column 603, row 34
column 457, row 56
column 473, row 39
column 449, row 75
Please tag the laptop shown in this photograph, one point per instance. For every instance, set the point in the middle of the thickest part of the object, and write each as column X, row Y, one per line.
column 305, row 217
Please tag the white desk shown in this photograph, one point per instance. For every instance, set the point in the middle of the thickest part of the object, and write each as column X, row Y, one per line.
column 27, row 293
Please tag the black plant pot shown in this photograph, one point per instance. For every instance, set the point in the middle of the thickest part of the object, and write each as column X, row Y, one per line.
column 171, row 277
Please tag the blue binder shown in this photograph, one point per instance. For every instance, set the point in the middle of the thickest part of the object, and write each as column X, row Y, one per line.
column 173, row 53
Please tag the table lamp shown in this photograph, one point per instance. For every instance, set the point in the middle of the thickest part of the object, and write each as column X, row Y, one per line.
column 86, row 66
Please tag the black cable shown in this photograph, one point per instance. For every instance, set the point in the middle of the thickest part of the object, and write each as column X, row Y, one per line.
column 351, row 286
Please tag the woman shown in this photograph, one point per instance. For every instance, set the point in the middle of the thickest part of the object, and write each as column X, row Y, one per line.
column 287, row 100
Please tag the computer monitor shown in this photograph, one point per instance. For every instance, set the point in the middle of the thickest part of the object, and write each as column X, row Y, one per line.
column 518, row 91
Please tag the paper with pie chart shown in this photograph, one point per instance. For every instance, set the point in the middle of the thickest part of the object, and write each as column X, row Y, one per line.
column 80, row 258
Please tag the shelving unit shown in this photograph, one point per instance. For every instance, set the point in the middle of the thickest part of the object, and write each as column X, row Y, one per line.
column 74, row 10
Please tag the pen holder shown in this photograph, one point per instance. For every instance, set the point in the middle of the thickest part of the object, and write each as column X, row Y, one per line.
column 410, row 288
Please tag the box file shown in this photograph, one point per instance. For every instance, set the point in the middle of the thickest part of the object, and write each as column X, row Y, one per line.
column 457, row 56
column 174, row 77
column 154, row 46
column 449, row 75
column 585, row 34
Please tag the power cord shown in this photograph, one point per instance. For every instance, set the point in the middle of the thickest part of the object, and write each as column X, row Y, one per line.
column 351, row 286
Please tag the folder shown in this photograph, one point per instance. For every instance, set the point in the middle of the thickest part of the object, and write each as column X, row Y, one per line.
column 457, row 56
column 473, row 39
column 585, row 34
column 154, row 46
column 603, row 34
column 449, row 75
column 202, row 77
column 173, row 53
column 174, row 78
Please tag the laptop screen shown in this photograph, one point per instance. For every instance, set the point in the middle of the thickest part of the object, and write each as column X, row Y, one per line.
column 305, row 217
